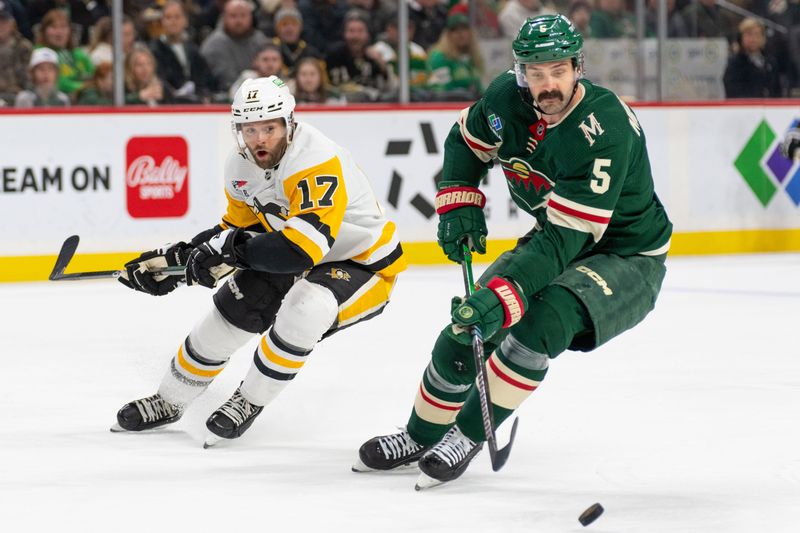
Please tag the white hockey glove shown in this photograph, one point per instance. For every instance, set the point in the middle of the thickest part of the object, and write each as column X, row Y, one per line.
column 216, row 258
column 791, row 144
column 137, row 273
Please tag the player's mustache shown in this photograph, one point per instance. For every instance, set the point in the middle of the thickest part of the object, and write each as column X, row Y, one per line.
column 551, row 94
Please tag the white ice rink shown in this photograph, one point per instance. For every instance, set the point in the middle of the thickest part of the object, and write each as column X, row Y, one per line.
column 687, row 423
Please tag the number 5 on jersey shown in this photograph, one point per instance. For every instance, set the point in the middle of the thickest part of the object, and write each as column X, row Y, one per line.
column 320, row 195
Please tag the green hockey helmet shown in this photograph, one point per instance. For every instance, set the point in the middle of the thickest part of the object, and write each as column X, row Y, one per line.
column 547, row 38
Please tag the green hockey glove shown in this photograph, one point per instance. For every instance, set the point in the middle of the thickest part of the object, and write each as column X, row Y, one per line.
column 499, row 305
column 461, row 218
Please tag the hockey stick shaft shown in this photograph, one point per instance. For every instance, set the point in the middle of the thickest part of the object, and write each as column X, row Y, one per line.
column 498, row 457
column 67, row 252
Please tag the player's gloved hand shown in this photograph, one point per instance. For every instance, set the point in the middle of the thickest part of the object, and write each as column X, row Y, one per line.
column 500, row 304
column 460, row 210
column 216, row 257
column 791, row 144
column 138, row 273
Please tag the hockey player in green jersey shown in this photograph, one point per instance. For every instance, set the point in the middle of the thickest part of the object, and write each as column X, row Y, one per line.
column 574, row 157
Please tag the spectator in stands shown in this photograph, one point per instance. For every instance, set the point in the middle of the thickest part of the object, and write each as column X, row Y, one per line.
column 230, row 49
column 487, row 23
column 268, row 62
column 750, row 73
column 387, row 47
column 354, row 68
column 611, row 21
column 142, row 84
column 375, row 12
column 580, row 13
column 515, row 12
column 20, row 16
column 101, row 48
column 74, row 66
column 101, row 89
column 44, row 77
column 676, row 25
column 430, row 18
column 310, row 85
column 83, row 14
column 180, row 65
column 704, row 18
column 322, row 22
column 288, row 29
column 15, row 54
column 455, row 62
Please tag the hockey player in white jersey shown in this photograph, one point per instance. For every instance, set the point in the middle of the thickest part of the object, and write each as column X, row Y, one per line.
column 310, row 250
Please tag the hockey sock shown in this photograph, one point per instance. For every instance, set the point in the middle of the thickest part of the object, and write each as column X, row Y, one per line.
column 514, row 372
column 275, row 364
column 201, row 357
column 443, row 389
column 189, row 375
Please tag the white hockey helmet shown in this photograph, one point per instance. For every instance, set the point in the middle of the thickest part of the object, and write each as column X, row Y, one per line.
column 261, row 99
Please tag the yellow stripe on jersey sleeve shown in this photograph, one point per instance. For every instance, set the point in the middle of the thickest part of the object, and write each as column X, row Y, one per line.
column 239, row 213
column 320, row 190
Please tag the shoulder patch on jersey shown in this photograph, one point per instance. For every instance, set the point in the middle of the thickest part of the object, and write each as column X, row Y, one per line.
column 495, row 123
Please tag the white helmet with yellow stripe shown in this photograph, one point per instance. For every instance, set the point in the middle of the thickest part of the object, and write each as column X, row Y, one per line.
column 261, row 99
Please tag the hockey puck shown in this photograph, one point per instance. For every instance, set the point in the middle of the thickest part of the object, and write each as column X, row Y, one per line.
column 591, row 514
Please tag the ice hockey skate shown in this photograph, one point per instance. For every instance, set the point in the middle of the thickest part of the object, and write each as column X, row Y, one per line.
column 231, row 420
column 447, row 460
column 147, row 413
column 389, row 452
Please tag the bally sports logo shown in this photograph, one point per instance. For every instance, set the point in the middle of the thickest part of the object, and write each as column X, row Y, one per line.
column 157, row 177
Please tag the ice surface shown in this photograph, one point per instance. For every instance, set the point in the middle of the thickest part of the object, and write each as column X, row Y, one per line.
column 687, row 423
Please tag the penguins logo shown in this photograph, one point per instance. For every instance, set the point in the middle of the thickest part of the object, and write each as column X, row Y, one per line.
column 520, row 172
column 338, row 273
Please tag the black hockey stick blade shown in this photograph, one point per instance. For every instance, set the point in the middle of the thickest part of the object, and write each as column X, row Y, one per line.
column 64, row 257
column 67, row 252
column 499, row 457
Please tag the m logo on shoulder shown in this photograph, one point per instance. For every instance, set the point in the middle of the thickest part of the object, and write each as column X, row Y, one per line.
column 592, row 129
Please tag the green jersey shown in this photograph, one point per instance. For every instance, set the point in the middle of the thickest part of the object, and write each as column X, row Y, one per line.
column 586, row 179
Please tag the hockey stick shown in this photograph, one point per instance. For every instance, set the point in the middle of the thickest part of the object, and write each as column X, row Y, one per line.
column 498, row 457
column 67, row 252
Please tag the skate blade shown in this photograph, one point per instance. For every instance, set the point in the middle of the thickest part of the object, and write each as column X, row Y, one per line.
column 360, row 467
column 116, row 428
column 212, row 440
column 424, row 481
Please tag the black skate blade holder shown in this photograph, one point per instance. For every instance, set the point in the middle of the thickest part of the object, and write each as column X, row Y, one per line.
column 66, row 254
column 498, row 456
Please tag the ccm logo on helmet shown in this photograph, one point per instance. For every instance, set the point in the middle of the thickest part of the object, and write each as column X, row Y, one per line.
column 250, row 109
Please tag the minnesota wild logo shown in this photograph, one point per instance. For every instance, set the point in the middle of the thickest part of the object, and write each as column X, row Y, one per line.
column 520, row 172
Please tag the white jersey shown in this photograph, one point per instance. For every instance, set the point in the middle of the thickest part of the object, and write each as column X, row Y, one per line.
column 318, row 199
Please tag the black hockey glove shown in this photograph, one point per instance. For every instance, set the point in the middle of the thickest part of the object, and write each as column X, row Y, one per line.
column 791, row 144
column 217, row 257
column 137, row 273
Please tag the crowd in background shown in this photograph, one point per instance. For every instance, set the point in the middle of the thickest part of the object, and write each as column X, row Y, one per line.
column 59, row 52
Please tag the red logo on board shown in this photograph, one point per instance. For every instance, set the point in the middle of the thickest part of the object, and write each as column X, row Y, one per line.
column 157, row 177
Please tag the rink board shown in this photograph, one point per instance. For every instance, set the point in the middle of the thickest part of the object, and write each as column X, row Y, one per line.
column 134, row 179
